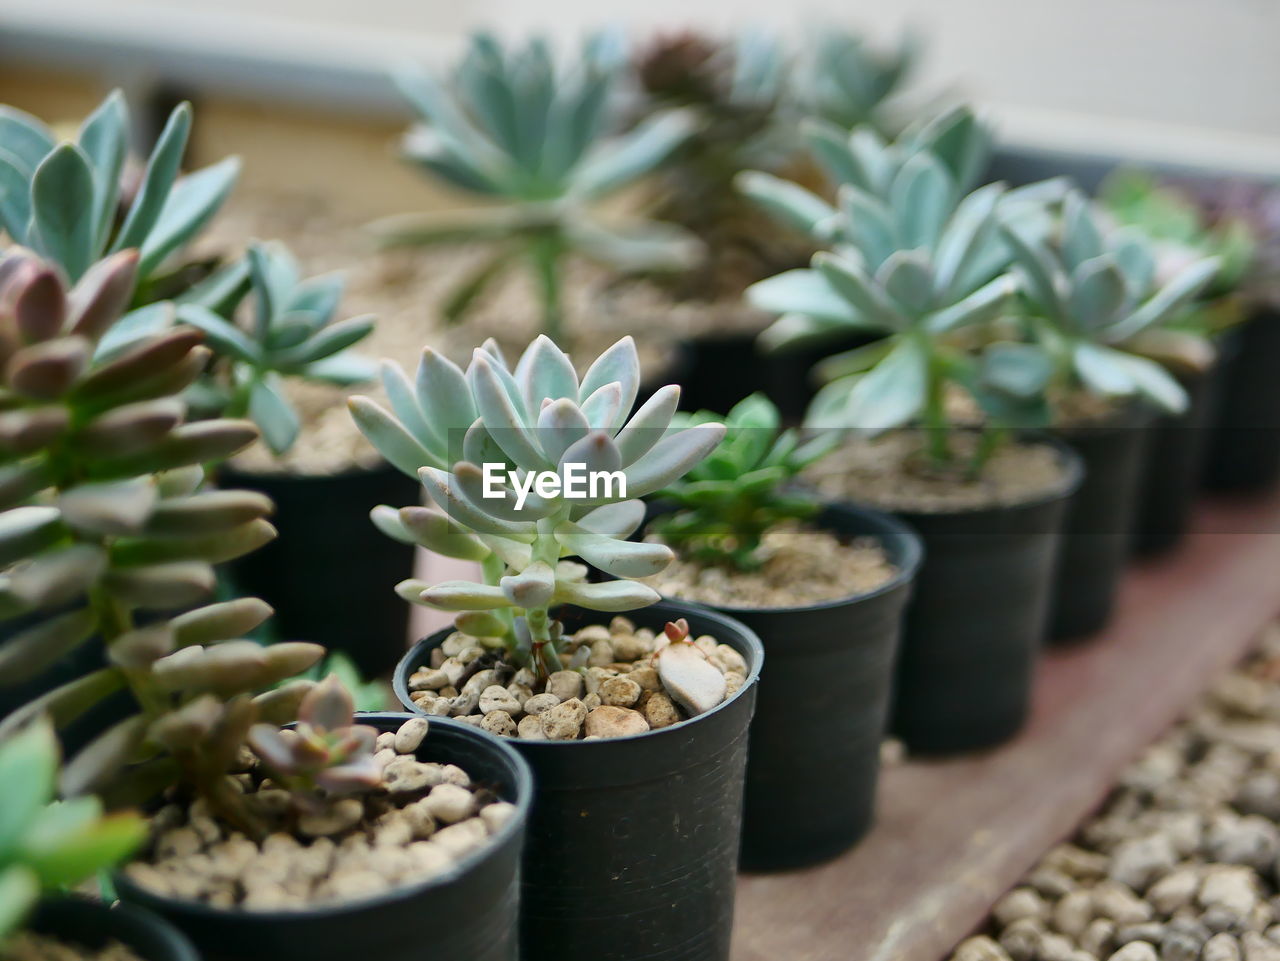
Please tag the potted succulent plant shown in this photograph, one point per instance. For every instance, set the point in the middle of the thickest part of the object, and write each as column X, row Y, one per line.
column 927, row 273
column 1245, row 433
column 531, row 138
column 1089, row 296
column 635, row 727
column 824, row 586
column 1187, row 345
column 268, row 327
column 737, row 90
column 108, row 533
column 869, row 161
column 48, row 847
column 842, row 78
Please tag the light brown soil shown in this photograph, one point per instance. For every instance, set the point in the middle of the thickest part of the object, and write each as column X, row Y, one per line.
column 890, row 471
column 801, row 566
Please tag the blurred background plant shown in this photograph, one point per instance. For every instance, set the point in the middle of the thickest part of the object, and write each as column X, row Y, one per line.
column 737, row 91
column 843, row 79
column 48, row 845
column 534, row 137
column 265, row 324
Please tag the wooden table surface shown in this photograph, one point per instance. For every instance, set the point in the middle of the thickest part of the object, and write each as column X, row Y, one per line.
column 954, row 835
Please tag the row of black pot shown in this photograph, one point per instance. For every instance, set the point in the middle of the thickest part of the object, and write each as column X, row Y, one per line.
column 1229, row 439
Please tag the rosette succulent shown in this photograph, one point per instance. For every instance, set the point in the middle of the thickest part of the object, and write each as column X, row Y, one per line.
column 69, row 203
column 266, row 324
column 534, row 428
column 736, row 91
column 844, row 80
column 863, row 159
column 726, row 504
column 47, row 845
column 107, row 534
column 923, row 276
column 529, row 136
column 325, row 753
column 1092, row 298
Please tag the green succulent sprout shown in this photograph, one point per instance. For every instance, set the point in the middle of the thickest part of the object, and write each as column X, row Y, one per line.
column 47, row 845
column 66, row 202
column 843, row 80
column 736, row 91
column 922, row 275
column 1092, row 297
column 957, row 140
column 266, row 324
column 107, row 533
column 727, row 503
column 326, row 753
column 527, row 135
column 536, row 421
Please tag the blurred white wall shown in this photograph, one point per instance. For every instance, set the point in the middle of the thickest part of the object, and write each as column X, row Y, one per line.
column 1201, row 73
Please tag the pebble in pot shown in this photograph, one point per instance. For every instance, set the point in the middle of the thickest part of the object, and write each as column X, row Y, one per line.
column 824, row 587
column 350, row 831
column 639, row 797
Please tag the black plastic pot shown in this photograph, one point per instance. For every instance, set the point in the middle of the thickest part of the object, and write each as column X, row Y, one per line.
column 822, row 710
column 1173, row 463
column 1097, row 529
column 1244, row 452
column 976, row 621
column 330, row 573
column 633, row 842
column 468, row 914
column 92, row 924
column 720, row 370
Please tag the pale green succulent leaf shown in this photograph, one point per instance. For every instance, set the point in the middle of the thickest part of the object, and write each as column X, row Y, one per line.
column 274, row 414
column 672, row 457
column 648, row 424
column 544, row 372
column 1097, row 294
column 621, row 558
column 438, row 532
column 157, row 181
column 62, row 195
column 620, row 365
column 15, row 197
column 619, row 520
column 26, row 138
column 803, row 291
column 19, row 891
column 104, row 139
column 401, row 449
column 28, row 769
column 787, row 202
column 610, row 596
column 188, row 207
column 634, row 154
column 464, row 596
column 982, row 306
column 532, row 587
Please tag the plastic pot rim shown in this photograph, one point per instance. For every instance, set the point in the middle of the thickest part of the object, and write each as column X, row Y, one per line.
column 893, row 526
column 749, row 637
column 524, row 789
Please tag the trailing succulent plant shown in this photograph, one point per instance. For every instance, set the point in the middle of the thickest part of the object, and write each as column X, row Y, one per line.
column 534, row 422
column 1095, row 305
column 266, row 324
column 843, row 80
column 529, row 136
column 921, row 275
column 863, row 159
column 325, row 753
column 74, row 202
column 106, row 533
column 725, row 504
column 47, row 845
column 736, row 91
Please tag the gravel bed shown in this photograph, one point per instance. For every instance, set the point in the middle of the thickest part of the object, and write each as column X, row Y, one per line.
column 1182, row 863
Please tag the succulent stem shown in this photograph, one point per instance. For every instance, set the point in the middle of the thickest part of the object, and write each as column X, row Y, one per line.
column 548, row 256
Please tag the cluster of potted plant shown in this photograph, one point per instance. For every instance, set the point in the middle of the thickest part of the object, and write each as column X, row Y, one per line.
column 277, row 825
column 595, row 739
